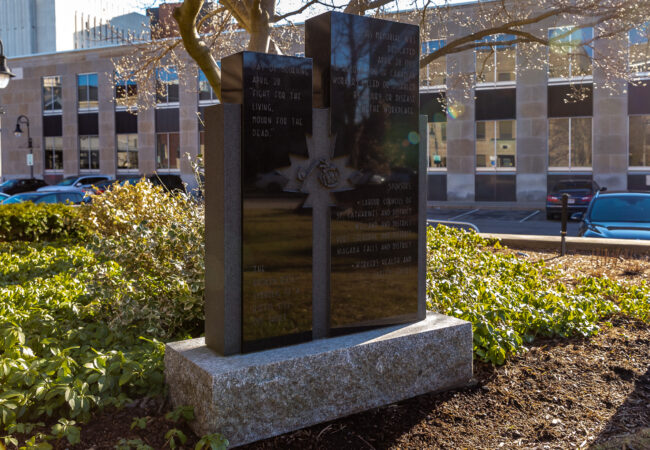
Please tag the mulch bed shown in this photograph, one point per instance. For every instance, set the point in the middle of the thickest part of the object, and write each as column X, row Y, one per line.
column 619, row 266
column 567, row 393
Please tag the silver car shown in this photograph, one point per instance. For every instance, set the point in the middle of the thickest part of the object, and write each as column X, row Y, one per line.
column 75, row 183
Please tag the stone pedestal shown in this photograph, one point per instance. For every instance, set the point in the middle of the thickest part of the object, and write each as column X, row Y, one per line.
column 255, row 396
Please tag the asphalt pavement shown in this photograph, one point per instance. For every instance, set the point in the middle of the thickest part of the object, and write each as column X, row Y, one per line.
column 532, row 221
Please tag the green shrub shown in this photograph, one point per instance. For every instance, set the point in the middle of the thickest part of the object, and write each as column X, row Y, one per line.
column 42, row 222
column 153, row 244
column 511, row 301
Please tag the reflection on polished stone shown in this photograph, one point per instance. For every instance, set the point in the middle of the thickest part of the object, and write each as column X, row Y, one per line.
column 366, row 72
column 276, row 98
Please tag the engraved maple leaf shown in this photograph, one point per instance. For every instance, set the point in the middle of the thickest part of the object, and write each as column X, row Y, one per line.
column 305, row 174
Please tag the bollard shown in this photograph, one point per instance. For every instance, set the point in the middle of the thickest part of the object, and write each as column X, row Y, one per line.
column 565, row 217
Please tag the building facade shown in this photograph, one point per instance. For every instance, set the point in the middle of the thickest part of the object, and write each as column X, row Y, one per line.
column 507, row 134
column 45, row 26
column 78, row 128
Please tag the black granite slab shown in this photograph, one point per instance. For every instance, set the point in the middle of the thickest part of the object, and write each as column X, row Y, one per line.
column 276, row 98
column 366, row 72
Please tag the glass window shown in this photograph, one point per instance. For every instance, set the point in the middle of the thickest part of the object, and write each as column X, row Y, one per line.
column 72, row 197
column 437, row 144
column 496, row 63
column 88, row 152
column 87, row 91
column 480, row 131
column 167, row 85
column 558, row 142
column 639, row 141
column 52, row 94
column 639, row 59
column 206, row 93
column 569, row 142
column 168, row 151
column 570, row 52
column 434, row 74
column 496, row 144
column 126, row 92
column 580, row 142
column 53, row 147
column 127, row 151
column 50, row 198
column 623, row 208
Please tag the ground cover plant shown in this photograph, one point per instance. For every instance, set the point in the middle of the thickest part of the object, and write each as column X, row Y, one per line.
column 80, row 317
column 511, row 301
column 83, row 321
column 59, row 359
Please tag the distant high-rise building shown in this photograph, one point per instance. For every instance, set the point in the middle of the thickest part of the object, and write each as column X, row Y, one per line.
column 46, row 26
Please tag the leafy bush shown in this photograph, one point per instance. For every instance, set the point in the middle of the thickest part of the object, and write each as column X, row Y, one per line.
column 43, row 222
column 510, row 301
column 153, row 243
column 57, row 357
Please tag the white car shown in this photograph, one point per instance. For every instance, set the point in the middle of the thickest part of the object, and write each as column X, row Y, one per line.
column 75, row 184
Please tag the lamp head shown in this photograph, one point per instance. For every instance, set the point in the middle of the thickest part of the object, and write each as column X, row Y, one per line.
column 18, row 131
column 4, row 80
column 5, row 73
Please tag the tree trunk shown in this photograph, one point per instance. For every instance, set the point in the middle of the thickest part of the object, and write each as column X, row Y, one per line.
column 260, row 25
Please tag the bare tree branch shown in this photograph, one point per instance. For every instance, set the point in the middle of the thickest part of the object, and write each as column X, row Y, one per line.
column 361, row 6
column 186, row 16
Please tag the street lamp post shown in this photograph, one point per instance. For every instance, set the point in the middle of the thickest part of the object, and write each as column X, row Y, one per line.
column 5, row 73
column 24, row 120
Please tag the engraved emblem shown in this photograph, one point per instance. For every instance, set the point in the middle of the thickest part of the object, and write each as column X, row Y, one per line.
column 329, row 174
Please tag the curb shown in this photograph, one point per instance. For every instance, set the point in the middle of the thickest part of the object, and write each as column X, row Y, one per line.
column 573, row 243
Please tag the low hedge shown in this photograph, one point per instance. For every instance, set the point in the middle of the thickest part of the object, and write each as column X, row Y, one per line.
column 43, row 222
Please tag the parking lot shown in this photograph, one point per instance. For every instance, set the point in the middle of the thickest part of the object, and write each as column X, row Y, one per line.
column 530, row 221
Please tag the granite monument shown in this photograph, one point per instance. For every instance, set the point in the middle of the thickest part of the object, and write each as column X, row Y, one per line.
column 315, row 239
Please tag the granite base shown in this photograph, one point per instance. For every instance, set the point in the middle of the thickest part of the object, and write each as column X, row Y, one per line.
column 259, row 395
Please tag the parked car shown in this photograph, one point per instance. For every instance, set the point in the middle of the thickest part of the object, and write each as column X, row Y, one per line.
column 3, row 196
column 45, row 197
column 617, row 215
column 106, row 184
column 18, row 185
column 580, row 194
column 169, row 181
column 75, row 183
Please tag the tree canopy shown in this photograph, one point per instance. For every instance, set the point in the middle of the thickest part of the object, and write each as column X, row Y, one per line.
column 202, row 32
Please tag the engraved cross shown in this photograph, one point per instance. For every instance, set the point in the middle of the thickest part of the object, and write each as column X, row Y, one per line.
column 319, row 176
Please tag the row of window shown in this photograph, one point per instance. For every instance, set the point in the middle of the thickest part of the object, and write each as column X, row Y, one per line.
column 167, row 151
column 569, row 56
column 569, row 146
column 126, row 91
column 569, row 143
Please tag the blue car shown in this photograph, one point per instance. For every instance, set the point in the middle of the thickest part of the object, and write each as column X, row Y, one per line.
column 45, row 197
column 617, row 215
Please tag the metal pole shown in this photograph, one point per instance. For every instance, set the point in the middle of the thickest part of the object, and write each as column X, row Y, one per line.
column 31, row 150
column 22, row 119
column 565, row 217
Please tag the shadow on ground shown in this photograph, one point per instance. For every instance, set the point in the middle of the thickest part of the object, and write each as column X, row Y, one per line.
column 628, row 428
